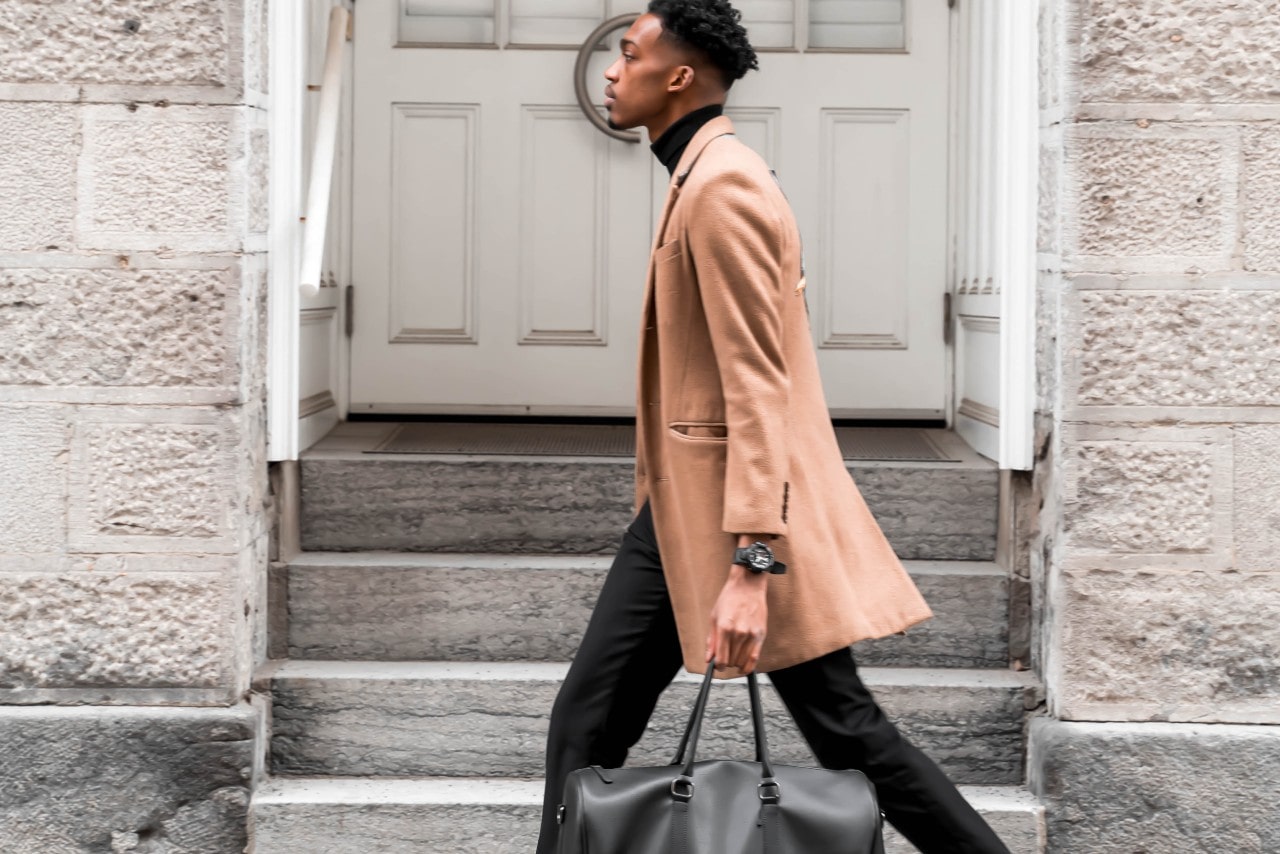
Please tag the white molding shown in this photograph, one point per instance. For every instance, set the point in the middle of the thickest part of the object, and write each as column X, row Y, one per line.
column 287, row 33
column 1020, row 105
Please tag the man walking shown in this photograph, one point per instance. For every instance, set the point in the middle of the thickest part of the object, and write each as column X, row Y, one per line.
column 750, row 545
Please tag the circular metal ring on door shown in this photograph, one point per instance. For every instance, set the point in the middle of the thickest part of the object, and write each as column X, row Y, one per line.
column 580, row 77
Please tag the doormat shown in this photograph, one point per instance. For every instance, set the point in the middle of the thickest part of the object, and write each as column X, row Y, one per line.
column 888, row 444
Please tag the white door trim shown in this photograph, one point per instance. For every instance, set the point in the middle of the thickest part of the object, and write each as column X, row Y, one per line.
column 287, row 34
column 995, row 212
column 1019, row 120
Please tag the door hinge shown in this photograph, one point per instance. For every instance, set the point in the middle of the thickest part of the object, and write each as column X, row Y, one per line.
column 946, row 318
column 349, row 320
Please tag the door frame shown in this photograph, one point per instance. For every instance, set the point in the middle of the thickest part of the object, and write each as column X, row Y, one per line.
column 1014, row 113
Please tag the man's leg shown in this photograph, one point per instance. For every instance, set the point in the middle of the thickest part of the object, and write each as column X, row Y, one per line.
column 629, row 654
column 846, row 729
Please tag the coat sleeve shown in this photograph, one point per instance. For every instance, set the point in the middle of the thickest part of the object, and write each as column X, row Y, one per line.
column 736, row 236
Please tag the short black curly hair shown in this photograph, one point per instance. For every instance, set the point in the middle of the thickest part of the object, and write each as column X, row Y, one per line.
column 712, row 27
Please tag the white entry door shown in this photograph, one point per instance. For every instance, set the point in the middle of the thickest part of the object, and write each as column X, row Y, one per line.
column 500, row 241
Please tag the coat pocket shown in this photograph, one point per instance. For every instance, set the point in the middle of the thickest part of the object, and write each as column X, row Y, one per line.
column 701, row 431
column 668, row 251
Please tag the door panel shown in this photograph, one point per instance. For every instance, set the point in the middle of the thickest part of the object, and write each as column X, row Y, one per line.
column 501, row 242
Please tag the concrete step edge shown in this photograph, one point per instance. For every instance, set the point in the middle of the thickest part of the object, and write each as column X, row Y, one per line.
column 393, row 560
column 512, row 790
column 331, row 671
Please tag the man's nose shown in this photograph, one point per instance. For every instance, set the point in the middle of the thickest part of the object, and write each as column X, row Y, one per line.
column 610, row 73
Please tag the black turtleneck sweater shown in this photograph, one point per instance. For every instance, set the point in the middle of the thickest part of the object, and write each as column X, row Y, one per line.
column 675, row 139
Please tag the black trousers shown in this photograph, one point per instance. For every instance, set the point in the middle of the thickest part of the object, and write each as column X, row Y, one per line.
column 631, row 652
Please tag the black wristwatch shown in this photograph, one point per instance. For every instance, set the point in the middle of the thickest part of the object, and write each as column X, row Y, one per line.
column 758, row 557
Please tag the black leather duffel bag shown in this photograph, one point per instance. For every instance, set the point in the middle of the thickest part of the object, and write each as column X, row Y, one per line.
column 719, row 806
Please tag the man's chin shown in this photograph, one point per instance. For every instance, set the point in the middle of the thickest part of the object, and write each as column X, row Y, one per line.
column 615, row 125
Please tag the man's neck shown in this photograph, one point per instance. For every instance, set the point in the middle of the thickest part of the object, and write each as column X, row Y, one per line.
column 675, row 139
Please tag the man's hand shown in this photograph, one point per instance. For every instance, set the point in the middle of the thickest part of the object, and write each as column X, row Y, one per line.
column 739, row 620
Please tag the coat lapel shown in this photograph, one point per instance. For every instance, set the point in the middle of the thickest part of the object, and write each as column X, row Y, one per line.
column 717, row 127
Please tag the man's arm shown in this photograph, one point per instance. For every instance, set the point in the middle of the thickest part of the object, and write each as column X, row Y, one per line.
column 740, row 616
column 736, row 244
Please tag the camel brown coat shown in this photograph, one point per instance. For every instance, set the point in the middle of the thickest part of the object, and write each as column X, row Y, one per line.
column 733, row 432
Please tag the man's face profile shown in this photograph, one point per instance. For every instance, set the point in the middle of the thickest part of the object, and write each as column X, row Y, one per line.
column 644, row 77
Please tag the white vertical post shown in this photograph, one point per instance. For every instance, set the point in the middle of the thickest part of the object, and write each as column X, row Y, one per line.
column 322, row 157
column 287, row 33
column 1017, row 298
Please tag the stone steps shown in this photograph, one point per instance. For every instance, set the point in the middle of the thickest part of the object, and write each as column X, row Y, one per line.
column 400, row 606
column 490, row 816
column 580, row 505
column 469, row 719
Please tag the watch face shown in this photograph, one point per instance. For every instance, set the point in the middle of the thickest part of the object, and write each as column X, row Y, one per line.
column 760, row 556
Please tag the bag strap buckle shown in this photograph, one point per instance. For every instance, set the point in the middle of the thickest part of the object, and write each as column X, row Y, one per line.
column 769, row 791
column 682, row 789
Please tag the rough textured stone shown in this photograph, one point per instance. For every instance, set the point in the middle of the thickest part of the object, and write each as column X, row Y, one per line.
column 33, row 468
column 259, row 183
column 75, row 327
column 481, row 608
column 1158, row 788
column 1261, row 187
column 160, row 177
column 1168, row 645
column 1207, row 51
column 150, row 781
column 1257, row 496
column 37, row 174
column 551, row 506
column 490, row 720
column 1048, row 208
column 1138, row 497
column 183, row 42
column 107, row 630
column 1162, row 197
column 491, row 817
column 1179, row 348
column 257, row 44
column 154, row 480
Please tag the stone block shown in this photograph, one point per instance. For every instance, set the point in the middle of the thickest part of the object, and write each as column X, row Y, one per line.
column 1140, row 498
column 1157, row 788
column 33, row 467
column 38, row 175
column 1176, row 348
column 496, row 608
column 1142, row 199
column 1257, row 496
column 162, row 178
column 1167, row 645
column 1154, row 51
column 172, row 43
column 259, row 184
column 490, row 720
column 1051, row 52
column 124, row 780
column 547, row 505
column 160, row 480
column 1049, row 206
column 115, row 328
column 98, row 629
column 358, row 816
column 257, row 45
column 1260, row 185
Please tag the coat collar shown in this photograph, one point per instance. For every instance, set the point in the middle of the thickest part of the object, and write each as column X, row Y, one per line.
column 714, row 129
column 717, row 127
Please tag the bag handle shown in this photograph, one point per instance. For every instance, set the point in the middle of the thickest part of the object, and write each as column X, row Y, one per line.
column 689, row 742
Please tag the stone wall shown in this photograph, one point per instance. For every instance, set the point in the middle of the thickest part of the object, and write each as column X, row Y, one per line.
column 1158, row 566
column 132, row 527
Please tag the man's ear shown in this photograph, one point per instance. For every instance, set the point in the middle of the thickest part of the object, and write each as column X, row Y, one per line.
column 682, row 79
